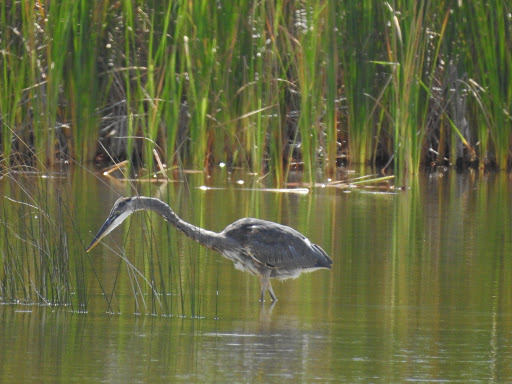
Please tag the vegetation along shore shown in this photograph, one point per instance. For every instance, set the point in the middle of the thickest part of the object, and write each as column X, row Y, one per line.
column 267, row 86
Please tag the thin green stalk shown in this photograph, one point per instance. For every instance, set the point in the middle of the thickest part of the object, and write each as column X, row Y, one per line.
column 82, row 77
column 58, row 29
column 308, row 66
column 360, row 43
column 332, row 96
column 490, row 59
column 407, row 50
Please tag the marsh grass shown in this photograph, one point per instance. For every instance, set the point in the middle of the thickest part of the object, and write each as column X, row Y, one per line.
column 264, row 86
column 358, row 77
column 490, row 59
column 158, row 271
column 44, row 262
column 407, row 55
column 37, row 241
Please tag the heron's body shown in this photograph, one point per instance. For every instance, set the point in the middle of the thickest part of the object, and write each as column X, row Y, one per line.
column 262, row 248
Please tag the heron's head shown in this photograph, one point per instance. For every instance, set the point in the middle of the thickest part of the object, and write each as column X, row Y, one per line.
column 122, row 208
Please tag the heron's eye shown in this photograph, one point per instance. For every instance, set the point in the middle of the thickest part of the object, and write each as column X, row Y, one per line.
column 117, row 213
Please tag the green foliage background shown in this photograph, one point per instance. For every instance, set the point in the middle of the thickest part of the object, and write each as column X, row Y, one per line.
column 268, row 86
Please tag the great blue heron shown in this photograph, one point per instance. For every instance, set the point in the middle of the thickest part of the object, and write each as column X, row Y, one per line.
column 263, row 248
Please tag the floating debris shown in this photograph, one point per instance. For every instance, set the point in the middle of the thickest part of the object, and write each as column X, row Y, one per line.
column 301, row 191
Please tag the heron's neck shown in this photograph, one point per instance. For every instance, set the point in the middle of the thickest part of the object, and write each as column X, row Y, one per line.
column 202, row 236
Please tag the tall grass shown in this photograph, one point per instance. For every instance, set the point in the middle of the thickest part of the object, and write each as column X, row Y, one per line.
column 360, row 42
column 266, row 86
column 38, row 236
column 489, row 59
column 18, row 83
column 407, row 55
column 86, row 33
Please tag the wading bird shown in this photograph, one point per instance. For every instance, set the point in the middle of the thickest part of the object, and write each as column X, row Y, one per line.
column 263, row 248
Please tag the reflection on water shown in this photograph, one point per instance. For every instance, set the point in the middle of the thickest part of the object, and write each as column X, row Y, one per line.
column 420, row 291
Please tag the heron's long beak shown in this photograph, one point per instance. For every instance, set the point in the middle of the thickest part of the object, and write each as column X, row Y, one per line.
column 104, row 230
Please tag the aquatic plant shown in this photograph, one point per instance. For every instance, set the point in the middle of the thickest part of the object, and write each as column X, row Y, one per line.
column 265, row 86
column 39, row 233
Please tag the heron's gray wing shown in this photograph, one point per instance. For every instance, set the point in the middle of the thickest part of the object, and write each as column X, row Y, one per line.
column 277, row 245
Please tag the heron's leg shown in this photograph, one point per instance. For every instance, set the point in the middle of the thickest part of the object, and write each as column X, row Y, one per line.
column 271, row 291
column 265, row 284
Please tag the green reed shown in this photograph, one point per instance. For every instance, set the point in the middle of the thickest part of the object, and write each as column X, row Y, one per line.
column 413, row 65
column 360, row 42
column 18, row 64
column 259, row 85
column 39, row 236
column 489, row 56
column 57, row 34
column 252, row 96
column 407, row 60
column 307, row 49
column 153, row 271
column 83, row 93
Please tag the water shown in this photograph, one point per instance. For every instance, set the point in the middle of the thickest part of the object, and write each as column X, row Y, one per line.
column 420, row 291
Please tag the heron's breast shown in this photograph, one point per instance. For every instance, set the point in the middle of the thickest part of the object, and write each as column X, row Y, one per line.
column 243, row 262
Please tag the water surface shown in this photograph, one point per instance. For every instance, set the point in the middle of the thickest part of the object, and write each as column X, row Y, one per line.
column 420, row 291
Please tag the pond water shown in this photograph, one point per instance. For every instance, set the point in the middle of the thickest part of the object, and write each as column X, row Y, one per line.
column 420, row 290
